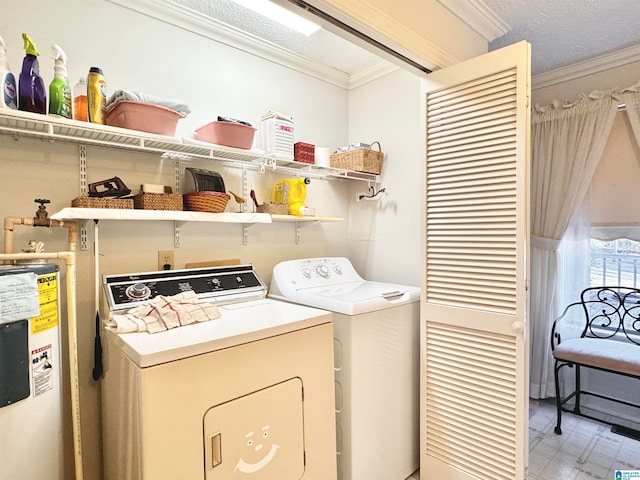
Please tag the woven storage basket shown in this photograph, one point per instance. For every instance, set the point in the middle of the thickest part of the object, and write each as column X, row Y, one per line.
column 273, row 208
column 214, row 202
column 359, row 160
column 158, row 201
column 102, row 202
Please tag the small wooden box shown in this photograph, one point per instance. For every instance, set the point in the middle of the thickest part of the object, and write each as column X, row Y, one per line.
column 158, row 201
column 304, row 152
column 102, row 202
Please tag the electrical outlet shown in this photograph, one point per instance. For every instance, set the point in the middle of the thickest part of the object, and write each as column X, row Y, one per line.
column 165, row 260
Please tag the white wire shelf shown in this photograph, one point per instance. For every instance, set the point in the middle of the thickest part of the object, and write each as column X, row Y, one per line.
column 26, row 124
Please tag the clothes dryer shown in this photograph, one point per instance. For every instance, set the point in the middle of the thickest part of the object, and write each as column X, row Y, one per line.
column 247, row 395
column 376, row 363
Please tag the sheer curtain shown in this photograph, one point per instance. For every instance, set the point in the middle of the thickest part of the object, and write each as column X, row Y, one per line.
column 631, row 98
column 567, row 143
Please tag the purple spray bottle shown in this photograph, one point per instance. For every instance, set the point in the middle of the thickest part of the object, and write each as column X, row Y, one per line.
column 32, row 96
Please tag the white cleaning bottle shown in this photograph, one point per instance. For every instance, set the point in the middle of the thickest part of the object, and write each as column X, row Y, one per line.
column 9, row 93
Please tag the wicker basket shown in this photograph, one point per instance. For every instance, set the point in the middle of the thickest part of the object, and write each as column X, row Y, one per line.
column 102, row 202
column 359, row 160
column 273, row 208
column 158, row 201
column 214, row 202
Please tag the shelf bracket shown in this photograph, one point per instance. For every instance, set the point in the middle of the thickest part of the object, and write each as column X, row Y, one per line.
column 245, row 189
column 84, row 242
column 243, row 206
column 299, row 226
column 245, row 234
column 82, row 163
column 176, row 233
column 177, row 188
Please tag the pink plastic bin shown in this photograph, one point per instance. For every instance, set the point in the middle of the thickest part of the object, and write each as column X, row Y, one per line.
column 227, row 133
column 145, row 117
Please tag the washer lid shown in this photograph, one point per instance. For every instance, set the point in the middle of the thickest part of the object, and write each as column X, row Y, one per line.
column 331, row 283
column 352, row 298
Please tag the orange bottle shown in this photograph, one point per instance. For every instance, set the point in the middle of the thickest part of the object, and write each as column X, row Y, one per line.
column 80, row 107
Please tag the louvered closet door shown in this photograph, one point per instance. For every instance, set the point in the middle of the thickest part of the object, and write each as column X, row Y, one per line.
column 474, row 398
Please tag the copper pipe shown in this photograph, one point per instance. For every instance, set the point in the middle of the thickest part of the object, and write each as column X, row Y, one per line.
column 11, row 222
column 70, row 261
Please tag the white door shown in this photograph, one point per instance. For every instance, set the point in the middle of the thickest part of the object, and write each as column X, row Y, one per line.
column 474, row 379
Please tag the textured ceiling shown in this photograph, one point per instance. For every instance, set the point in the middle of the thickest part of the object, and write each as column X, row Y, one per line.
column 561, row 32
column 564, row 32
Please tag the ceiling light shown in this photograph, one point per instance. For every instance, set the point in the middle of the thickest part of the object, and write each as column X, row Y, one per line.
column 280, row 15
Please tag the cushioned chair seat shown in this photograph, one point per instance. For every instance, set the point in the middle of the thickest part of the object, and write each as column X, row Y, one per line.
column 608, row 354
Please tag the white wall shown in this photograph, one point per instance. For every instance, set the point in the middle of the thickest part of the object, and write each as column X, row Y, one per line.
column 619, row 167
column 384, row 235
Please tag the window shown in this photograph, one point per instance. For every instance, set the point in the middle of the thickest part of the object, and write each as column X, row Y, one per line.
column 615, row 263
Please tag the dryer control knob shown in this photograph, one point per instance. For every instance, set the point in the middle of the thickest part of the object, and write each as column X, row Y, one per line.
column 322, row 270
column 306, row 272
column 138, row 291
column 338, row 269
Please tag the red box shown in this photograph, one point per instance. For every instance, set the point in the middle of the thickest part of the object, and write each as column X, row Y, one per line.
column 304, row 152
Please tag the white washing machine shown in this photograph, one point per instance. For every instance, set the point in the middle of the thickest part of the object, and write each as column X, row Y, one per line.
column 376, row 328
column 246, row 396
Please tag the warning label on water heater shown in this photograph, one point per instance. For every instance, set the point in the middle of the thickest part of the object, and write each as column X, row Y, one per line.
column 48, row 293
column 42, row 370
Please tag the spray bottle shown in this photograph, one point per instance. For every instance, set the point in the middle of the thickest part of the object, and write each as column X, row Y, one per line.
column 59, row 89
column 32, row 95
column 8, row 91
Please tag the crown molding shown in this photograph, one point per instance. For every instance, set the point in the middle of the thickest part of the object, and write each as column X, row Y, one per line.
column 211, row 28
column 371, row 73
column 586, row 68
column 479, row 17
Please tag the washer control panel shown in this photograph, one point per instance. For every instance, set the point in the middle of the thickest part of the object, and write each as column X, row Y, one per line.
column 315, row 272
column 217, row 284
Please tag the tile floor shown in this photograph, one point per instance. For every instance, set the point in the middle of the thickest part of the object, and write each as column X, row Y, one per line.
column 586, row 450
